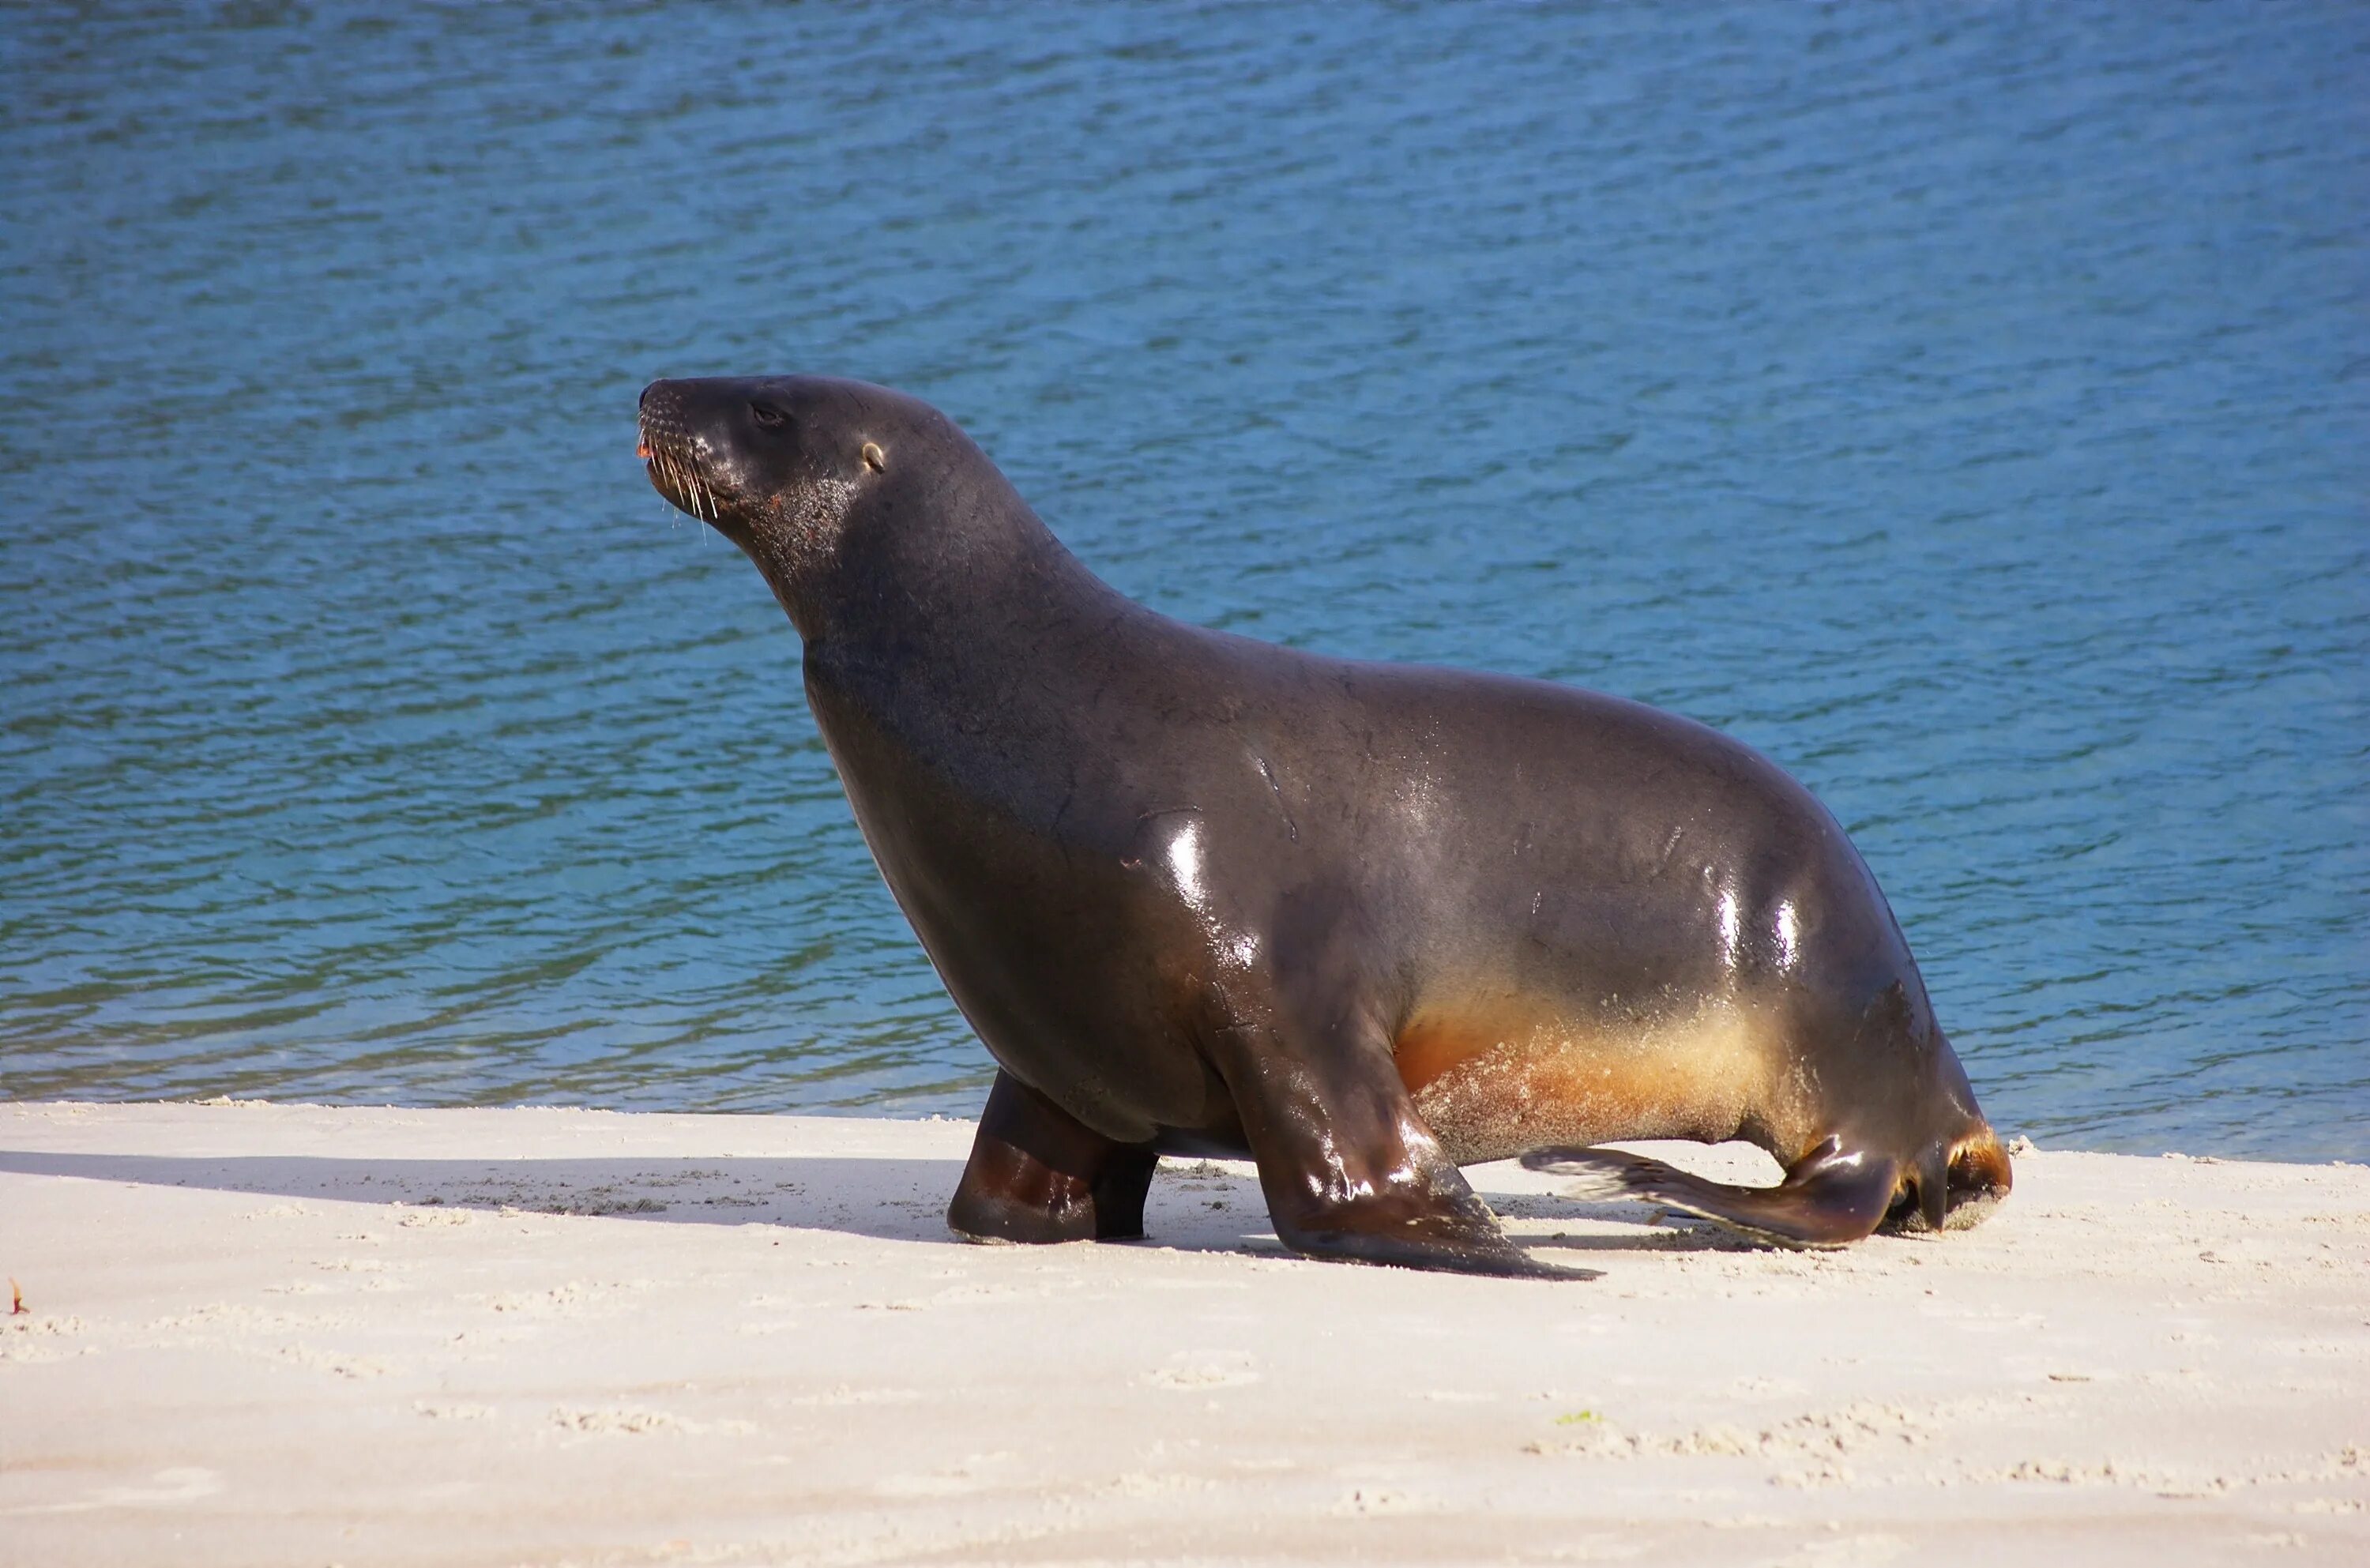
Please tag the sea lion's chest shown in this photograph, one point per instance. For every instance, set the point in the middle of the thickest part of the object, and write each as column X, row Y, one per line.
column 1049, row 887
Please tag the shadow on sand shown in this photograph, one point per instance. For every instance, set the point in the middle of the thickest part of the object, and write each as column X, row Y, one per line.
column 1194, row 1206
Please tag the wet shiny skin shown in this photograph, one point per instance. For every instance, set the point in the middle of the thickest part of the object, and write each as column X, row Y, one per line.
column 1193, row 888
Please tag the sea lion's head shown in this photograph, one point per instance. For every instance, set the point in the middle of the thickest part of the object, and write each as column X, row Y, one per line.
column 773, row 459
column 846, row 495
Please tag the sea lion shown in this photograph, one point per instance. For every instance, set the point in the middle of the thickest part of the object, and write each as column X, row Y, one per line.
column 1362, row 922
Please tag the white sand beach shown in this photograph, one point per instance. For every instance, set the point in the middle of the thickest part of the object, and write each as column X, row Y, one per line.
column 264, row 1334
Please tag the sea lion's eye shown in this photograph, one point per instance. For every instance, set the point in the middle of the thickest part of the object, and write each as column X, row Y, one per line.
column 768, row 415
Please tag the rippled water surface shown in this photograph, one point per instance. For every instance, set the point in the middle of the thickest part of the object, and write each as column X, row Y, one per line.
column 1971, row 408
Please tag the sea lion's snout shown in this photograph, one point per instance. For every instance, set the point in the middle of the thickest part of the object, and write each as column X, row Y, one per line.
column 672, row 451
column 723, row 448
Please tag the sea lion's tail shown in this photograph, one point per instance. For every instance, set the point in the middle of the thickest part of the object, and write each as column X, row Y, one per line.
column 1831, row 1197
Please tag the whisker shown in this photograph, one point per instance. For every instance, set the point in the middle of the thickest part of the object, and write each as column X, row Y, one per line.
column 687, row 486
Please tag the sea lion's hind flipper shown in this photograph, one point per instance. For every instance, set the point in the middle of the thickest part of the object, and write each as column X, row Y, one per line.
column 1955, row 1185
column 1037, row 1173
column 1829, row 1198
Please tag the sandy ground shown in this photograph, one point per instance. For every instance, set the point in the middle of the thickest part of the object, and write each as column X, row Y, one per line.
column 287, row 1334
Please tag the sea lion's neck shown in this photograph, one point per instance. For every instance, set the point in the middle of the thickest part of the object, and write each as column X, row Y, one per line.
column 970, row 566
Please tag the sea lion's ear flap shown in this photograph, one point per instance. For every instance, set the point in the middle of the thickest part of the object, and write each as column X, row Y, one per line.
column 873, row 459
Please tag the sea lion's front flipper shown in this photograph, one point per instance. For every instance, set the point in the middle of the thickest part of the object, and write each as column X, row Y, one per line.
column 1349, row 1169
column 1037, row 1173
column 1831, row 1197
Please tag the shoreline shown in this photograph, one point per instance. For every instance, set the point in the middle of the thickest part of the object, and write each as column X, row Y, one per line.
column 2199, row 1144
column 259, row 1333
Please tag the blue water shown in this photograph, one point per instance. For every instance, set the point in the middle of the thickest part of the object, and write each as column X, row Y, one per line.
column 1970, row 408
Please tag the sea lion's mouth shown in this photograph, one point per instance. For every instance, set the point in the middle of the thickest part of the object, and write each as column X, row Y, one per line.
column 671, row 458
column 675, row 474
